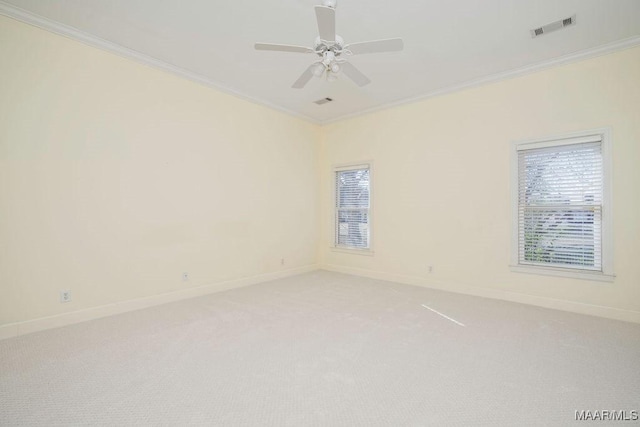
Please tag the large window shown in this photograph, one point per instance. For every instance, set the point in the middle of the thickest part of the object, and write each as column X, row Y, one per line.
column 561, row 209
column 353, row 203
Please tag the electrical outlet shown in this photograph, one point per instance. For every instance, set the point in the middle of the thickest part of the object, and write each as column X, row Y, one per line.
column 185, row 277
column 430, row 269
column 65, row 296
column 282, row 261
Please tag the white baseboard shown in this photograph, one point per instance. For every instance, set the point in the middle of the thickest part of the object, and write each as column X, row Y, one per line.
column 557, row 304
column 29, row 326
column 8, row 331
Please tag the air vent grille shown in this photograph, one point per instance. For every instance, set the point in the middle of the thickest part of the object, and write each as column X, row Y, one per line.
column 323, row 101
column 553, row 26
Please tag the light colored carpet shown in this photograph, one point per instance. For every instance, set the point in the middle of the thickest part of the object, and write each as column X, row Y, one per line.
column 323, row 349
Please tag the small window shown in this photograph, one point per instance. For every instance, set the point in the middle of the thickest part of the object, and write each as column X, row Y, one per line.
column 561, row 206
column 353, row 204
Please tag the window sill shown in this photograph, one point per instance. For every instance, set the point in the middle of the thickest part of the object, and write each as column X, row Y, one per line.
column 353, row 251
column 563, row 272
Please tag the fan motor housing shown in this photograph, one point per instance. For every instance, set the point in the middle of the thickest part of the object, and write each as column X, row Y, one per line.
column 321, row 46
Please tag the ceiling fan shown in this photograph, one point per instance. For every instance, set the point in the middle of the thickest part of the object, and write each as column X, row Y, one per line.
column 332, row 50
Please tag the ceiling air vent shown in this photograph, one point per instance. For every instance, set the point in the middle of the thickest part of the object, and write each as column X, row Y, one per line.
column 557, row 25
column 323, row 101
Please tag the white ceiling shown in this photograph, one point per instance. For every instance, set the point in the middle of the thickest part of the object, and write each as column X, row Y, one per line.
column 448, row 44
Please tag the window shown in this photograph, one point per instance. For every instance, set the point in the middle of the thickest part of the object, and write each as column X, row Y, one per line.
column 353, row 204
column 561, row 206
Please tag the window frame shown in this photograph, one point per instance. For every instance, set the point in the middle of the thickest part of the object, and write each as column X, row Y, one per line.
column 334, row 244
column 606, row 274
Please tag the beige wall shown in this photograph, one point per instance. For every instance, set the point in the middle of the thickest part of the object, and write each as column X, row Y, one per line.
column 441, row 190
column 116, row 178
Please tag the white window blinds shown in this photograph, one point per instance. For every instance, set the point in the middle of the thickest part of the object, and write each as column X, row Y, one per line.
column 352, row 207
column 560, row 203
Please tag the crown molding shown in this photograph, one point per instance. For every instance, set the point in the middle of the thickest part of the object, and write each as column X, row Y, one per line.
column 505, row 75
column 97, row 42
column 88, row 39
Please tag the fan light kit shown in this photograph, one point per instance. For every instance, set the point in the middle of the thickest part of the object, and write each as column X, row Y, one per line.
column 332, row 51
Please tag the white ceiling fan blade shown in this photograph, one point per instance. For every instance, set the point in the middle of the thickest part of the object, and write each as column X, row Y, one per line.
column 326, row 17
column 304, row 78
column 354, row 74
column 376, row 46
column 283, row 48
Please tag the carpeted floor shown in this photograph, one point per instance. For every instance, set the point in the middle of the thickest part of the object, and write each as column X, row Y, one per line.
column 324, row 349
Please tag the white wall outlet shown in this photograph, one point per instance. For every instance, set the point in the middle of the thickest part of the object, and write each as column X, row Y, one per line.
column 430, row 269
column 185, row 277
column 281, row 261
column 65, row 296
